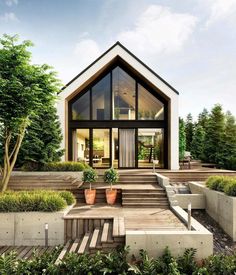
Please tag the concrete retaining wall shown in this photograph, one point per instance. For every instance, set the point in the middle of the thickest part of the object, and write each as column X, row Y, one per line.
column 220, row 207
column 154, row 242
column 28, row 228
column 198, row 201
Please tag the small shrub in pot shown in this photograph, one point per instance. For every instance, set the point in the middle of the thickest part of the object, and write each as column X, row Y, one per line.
column 90, row 176
column 111, row 176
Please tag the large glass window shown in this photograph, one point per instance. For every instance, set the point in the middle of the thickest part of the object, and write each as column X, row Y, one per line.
column 81, row 145
column 124, row 95
column 81, row 107
column 101, row 148
column 101, row 98
column 150, row 147
column 149, row 107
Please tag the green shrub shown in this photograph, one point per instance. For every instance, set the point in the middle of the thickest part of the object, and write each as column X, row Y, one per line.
column 68, row 197
column 64, row 166
column 215, row 183
column 111, row 176
column 223, row 184
column 230, row 188
column 40, row 200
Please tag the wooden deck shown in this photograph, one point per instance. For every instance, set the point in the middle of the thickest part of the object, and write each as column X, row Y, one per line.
column 151, row 218
column 26, row 252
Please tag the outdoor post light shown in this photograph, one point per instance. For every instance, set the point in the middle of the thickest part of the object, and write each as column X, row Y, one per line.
column 189, row 216
column 46, row 234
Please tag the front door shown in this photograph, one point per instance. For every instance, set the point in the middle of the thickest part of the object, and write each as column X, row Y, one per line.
column 126, row 148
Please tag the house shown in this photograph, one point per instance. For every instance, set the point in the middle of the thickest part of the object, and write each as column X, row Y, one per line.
column 118, row 112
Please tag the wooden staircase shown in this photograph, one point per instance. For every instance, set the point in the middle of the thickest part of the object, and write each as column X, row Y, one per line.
column 92, row 234
column 145, row 193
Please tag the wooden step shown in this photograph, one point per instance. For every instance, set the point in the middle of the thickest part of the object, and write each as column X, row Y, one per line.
column 144, row 199
column 84, row 243
column 105, row 232
column 63, row 253
column 143, row 194
column 94, row 239
column 74, row 245
column 146, row 204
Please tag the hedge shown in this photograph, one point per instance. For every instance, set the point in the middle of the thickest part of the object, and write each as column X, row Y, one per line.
column 223, row 184
column 40, row 200
column 64, row 166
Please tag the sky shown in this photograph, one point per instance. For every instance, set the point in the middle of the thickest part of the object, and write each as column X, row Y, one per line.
column 189, row 43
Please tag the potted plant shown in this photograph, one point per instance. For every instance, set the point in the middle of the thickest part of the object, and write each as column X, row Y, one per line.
column 89, row 176
column 111, row 176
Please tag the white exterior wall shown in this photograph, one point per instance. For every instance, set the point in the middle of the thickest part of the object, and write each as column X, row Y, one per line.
column 133, row 62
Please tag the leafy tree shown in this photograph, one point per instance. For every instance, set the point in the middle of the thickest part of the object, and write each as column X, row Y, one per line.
column 23, row 90
column 197, row 144
column 189, row 126
column 182, row 138
column 228, row 159
column 215, row 135
column 42, row 139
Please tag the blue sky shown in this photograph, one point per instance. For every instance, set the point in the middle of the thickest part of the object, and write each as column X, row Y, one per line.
column 191, row 44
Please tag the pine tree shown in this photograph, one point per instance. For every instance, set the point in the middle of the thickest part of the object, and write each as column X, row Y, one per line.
column 203, row 118
column 214, row 135
column 42, row 139
column 182, row 138
column 197, row 145
column 189, row 126
column 228, row 160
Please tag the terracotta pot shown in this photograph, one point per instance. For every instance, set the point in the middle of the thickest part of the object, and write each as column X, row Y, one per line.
column 111, row 196
column 90, row 196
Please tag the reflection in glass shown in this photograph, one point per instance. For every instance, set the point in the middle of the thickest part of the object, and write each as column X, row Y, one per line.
column 115, row 147
column 124, row 94
column 81, row 108
column 81, row 145
column 101, row 97
column 101, row 148
column 150, row 147
column 149, row 107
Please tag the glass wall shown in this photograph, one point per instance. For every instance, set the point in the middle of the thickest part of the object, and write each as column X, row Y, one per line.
column 150, row 147
column 81, row 145
column 81, row 107
column 101, row 98
column 124, row 95
column 101, row 148
column 149, row 107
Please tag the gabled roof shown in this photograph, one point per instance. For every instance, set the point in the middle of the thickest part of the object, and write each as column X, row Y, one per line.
column 130, row 54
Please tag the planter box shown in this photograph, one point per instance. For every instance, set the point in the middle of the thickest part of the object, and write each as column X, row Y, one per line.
column 220, row 207
column 28, row 228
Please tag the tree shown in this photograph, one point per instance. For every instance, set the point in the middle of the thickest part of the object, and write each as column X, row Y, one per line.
column 182, row 139
column 228, row 159
column 189, row 126
column 197, row 144
column 23, row 90
column 214, row 135
column 203, row 118
column 42, row 139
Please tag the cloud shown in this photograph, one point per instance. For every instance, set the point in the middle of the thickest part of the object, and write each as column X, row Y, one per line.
column 159, row 30
column 10, row 3
column 87, row 50
column 220, row 10
column 8, row 16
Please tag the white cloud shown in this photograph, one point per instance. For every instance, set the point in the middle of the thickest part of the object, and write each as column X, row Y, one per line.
column 87, row 50
column 220, row 9
column 8, row 16
column 159, row 30
column 10, row 3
